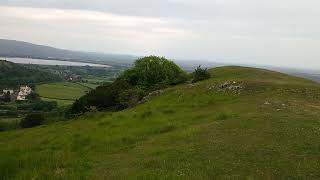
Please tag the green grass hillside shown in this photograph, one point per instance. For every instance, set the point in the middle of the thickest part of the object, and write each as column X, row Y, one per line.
column 269, row 128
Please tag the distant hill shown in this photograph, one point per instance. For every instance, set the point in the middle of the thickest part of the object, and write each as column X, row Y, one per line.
column 267, row 129
column 12, row 48
column 315, row 76
column 13, row 75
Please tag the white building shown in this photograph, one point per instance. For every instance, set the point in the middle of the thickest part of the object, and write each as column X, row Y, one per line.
column 24, row 91
column 5, row 91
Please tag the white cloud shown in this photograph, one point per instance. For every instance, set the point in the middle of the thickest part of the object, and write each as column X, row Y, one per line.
column 46, row 14
column 68, row 26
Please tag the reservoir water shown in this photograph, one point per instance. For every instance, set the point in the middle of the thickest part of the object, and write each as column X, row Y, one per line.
column 51, row 62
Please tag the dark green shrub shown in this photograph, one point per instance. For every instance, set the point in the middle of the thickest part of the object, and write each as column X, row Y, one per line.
column 32, row 120
column 200, row 74
column 115, row 96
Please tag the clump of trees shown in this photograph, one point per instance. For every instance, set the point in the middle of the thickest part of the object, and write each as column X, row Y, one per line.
column 147, row 74
column 14, row 75
column 37, row 106
column 200, row 74
column 32, row 120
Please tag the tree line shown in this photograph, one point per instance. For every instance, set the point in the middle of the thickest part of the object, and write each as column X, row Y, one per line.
column 14, row 75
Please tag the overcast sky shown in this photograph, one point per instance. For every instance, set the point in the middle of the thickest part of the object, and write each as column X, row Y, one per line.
column 271, row 32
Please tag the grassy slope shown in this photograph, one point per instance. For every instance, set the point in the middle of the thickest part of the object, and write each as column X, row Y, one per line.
column 187, row 132
column 64, row 93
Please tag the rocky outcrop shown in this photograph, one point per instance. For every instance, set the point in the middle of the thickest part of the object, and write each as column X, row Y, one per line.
column 228, row 86
column 150, row 95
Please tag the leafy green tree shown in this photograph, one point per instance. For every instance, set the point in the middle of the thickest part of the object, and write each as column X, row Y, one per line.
column 200, row 74
column 152, row 70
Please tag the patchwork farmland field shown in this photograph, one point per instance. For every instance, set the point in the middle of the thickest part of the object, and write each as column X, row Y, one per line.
column 64, row 93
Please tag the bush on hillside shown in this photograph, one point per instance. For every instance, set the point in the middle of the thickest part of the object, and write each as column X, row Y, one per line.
column 32, row 120
column 152, row 70
column 200, row 74
column 115, row 96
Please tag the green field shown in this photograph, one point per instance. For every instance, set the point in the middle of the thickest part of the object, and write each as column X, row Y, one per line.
column 268, row 130
column 89, row 85
column 61, row 103
column 94, row 79
column 64, row 93
column 7, row 123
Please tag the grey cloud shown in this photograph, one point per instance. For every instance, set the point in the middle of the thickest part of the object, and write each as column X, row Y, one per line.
column 254, row 31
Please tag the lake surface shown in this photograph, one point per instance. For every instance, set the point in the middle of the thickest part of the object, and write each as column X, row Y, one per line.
column 51, row 62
